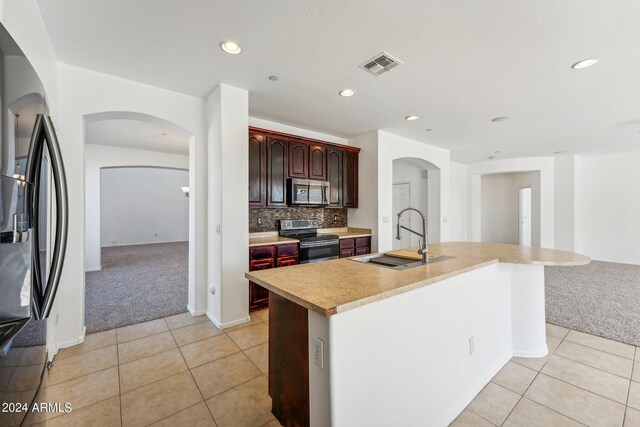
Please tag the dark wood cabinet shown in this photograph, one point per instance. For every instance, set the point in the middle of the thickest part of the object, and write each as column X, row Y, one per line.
column 277, row 161
column 257, row 169
column 349, row 179
column 318, row 162
column 298, row 159
column 355, row 246
column 334, row 176
column 275, row 156
column 265, row 257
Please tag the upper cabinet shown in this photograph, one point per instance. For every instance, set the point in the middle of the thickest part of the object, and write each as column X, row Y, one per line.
column 257, row 169
column 317, row 162
column 350, row 179
column 334, row 176
column 277, row 162
column 298, row 159
column 274, row 157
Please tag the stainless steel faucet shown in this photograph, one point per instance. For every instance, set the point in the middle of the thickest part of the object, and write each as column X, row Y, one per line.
column 424, row 247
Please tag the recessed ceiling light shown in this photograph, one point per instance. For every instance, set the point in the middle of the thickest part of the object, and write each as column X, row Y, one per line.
column 231, row 47
column 412, row 117
column 585, row 63
column 496, row 152
column 558, row 152
column 491, row 157
column 273, row 78
column 163, row 134
column 500, row 119
column 428, row 130
column 346, row 92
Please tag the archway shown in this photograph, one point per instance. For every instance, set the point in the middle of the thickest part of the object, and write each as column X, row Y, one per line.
column 416, row 183
column 130, row 141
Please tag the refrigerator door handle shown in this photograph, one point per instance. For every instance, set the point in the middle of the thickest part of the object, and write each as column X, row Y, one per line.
column 44, row 133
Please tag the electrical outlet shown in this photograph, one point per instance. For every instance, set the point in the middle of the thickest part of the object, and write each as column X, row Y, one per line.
column 217, row 228
column 318, row 350
column 335, row 218
column 259, row 221
column 472, row 345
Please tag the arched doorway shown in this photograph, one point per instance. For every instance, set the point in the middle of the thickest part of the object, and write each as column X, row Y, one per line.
column 416, row 183
column 128, row 156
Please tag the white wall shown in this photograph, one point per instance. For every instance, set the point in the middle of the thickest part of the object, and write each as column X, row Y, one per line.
column 101, row 156
column 366, row 215
column 391, row 147
column 227, row 110
column 565, row 210
column 424, row 195
column 545, row 165
column 459, row 203
column 608, row 207
column 83, row 93
column 501, row 206
column 143, row 205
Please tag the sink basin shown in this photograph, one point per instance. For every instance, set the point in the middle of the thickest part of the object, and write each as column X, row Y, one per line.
column 396, row 263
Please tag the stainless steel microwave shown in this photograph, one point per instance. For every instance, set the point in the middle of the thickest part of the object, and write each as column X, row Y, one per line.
column 307, row 192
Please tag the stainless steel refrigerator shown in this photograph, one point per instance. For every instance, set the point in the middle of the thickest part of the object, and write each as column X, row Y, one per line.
column 33, row 230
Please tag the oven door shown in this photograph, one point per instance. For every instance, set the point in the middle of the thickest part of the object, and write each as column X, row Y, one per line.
column 316, row 251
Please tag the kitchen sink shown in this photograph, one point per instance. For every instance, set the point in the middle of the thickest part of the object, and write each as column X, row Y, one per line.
column 396, row 263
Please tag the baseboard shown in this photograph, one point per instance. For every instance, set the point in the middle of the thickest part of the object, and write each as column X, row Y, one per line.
column 196, row 312
column 532, row 354
column 144, row 243
column 221, row 325
column 464, row 401
column 89, row 270
column 76, row 341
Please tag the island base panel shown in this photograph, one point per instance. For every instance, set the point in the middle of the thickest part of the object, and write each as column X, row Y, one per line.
column 288, row 361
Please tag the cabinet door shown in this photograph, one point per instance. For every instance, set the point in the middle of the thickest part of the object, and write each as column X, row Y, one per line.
column 334, row 176
column 298, row 159
column 317, row 162
column 346, row 253
column 258, row 296
column 257, row 170
column 350, row 179
column 363, row 250
column 262, row 252
column 276, row 172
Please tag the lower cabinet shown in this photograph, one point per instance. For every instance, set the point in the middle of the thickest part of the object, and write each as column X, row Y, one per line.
column 265, row 257
column 355, row 246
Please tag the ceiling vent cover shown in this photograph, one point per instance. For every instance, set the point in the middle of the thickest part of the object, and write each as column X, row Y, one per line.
column 380, row 64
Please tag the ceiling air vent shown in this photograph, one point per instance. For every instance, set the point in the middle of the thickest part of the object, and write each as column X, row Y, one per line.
column 380, row 64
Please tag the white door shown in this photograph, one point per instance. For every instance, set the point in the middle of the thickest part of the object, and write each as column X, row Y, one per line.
column 525, row 216
column 401, row 200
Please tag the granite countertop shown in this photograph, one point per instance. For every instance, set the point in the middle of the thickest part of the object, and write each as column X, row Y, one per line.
column 335, row 286
column 272, row 237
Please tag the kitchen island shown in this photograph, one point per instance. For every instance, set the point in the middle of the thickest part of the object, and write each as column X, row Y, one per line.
column 352, row 343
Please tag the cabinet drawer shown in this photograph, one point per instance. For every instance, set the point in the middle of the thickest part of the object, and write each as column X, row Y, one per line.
column 288, row 250
column 261, row 264
column 363, row 241
column 287, row 260
column 262, row 252
column 363, row 250
column 347, row 243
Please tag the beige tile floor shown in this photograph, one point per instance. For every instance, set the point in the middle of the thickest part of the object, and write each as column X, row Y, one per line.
column 180, row 370
column 585, row 380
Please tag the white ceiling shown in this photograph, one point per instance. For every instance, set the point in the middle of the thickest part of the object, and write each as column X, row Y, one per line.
column 135, row 134
column 464, row 63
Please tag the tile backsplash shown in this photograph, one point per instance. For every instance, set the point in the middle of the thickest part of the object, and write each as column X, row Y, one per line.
column 270, row 217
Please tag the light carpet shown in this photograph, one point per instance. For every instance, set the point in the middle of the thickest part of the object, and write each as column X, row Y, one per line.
column 601, row 298
column 136, row 284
